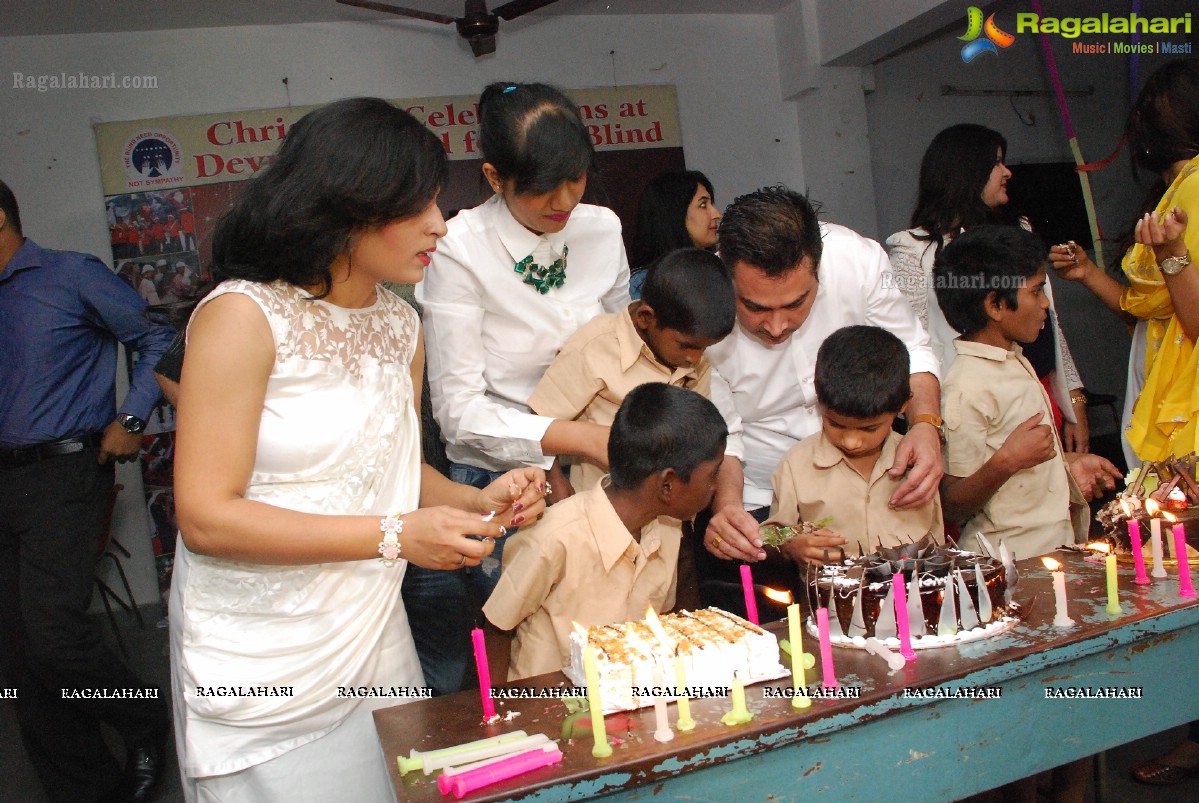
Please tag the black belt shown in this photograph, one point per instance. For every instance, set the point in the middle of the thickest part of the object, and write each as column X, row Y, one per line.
column 24, row 456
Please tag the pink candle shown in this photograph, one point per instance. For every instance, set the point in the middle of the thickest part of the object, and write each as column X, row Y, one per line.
column 1138, row 554
column 476, row 636
column 747, row 586
column 1185, row 589
column 826, row 650
column 901, row 617
column 465, row 783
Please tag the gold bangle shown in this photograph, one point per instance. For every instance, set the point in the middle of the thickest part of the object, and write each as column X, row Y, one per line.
column 1078, row 398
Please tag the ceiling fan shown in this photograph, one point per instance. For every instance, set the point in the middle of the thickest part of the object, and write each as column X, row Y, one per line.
column 477, row 25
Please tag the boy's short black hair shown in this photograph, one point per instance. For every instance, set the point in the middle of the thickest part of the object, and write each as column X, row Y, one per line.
column 863, row 372
column 980, row 261
column 690, row 290
column 660, row 426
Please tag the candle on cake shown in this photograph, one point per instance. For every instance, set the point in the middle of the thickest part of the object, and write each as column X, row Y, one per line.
column 747, row 588
column 1061, row 618
column 901, row 616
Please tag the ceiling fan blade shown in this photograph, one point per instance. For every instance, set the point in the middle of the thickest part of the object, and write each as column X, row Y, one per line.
column 517, row 8
column 403, row 12
column 482, row 45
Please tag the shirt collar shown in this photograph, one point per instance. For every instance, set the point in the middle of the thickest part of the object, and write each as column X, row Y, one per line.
column 612, row 538
column 970, row 348
column 29, row 255
column 519, row 241
column 826, row 455
column 631, row 348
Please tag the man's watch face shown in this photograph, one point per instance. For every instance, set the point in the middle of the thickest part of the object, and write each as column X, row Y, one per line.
column 132, row 424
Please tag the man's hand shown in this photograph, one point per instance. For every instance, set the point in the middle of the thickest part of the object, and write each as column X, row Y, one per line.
column 918, row 456
column 118, row 444
column 1094, row 474
column 810, row 547
column 732, row 534
column 1028, row 445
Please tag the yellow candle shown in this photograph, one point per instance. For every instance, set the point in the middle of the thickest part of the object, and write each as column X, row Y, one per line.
column 740, row 713
column 601, row 748
column 1113, row 597
column 799, row 682
column 684, row 722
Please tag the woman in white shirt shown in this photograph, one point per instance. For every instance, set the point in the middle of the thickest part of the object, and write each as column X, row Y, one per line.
column 510, row 282
column 963, row 182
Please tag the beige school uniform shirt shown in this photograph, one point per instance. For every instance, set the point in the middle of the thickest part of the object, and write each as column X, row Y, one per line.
column 987, row 393
column 579, row 564
column 815, row 481
column 596, row 369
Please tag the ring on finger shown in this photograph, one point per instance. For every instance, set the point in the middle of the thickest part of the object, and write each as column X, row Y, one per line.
column 717, row 541
column 549, row 489
column 461, row 561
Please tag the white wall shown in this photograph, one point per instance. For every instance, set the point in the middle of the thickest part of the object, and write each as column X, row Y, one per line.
column 735, row 127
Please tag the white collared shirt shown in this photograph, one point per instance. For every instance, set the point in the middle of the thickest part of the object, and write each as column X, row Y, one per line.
column 771, row 388
column 489, row 337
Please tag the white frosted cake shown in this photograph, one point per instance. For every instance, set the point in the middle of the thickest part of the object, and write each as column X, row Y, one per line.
column 712, row 643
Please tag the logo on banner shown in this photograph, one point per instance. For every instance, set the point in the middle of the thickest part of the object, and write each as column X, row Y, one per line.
column 152, row 158
column 992, row 38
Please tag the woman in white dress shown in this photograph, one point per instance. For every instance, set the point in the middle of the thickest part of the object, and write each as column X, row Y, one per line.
column 512, row 280
column 299, row 484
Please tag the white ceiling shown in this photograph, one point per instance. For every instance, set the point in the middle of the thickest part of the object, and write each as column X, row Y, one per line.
column 32, row 18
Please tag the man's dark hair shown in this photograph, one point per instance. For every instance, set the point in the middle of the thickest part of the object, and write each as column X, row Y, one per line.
column 690, row 291
column 772, row 229
column 984, row 260
column 660, row 426
column 8, row 204
column 533, row 135
column 863, row 372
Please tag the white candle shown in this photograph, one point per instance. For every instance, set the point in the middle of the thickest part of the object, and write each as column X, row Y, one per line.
column 1155, row 546
column 1061, row 618
column 662, row 731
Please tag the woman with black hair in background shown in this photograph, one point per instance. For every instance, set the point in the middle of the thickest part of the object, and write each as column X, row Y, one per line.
column 963, row 182
column 678, row 210
column 511, row 281
column 300, row 491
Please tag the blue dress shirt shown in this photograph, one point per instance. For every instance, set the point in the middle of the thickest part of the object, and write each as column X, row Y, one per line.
column 61, row 316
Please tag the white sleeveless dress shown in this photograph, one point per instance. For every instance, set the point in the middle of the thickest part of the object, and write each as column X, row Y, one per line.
column 339, row 436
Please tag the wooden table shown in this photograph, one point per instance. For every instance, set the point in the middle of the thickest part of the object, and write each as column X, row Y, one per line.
column 885, row 744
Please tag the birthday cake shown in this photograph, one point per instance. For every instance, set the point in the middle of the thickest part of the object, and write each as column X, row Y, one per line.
column 1164, row 490
column 951, row 595
column 713, row 645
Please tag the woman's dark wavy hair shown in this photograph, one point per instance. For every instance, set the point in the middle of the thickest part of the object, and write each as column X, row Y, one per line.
column 532, row 134
column 662, row 215
column 955, row 168
column 1163, row 126
column 349, row 165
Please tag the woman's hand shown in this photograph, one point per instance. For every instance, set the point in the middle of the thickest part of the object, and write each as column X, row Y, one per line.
column 437, row 537
column 1164, row 233
column 1070, row 261
column 1076, row 437
column 516, row 497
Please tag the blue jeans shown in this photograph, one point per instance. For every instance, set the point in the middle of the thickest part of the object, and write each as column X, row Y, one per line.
column 443, row 606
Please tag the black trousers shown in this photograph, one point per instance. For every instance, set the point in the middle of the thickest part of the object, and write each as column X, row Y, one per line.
column 51, row 515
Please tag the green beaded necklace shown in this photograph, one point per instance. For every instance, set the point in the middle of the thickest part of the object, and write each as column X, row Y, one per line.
column 544, row 278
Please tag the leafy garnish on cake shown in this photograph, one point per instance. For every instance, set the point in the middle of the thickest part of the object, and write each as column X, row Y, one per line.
column 777, row 535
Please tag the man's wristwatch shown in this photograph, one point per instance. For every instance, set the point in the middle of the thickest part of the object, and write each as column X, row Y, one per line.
column 132, row 424
column 1172, row 266
column 936, row 420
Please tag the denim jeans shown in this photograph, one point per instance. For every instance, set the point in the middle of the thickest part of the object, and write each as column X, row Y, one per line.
column 443, row 606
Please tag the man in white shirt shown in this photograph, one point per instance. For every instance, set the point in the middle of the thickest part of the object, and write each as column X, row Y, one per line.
column 798, row 281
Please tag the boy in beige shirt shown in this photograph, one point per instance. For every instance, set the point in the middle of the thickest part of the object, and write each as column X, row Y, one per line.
column 840, row 474
column 604, row 555
column 686, row 306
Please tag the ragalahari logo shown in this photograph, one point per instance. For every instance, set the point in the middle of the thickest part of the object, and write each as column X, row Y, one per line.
column 993, row 37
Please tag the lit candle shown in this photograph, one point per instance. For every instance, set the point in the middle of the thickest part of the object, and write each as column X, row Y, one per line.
column 684, row 722
column 1113, row 596
column 1061, row 619
column 751, row 601
column 1185, row 589
column 799, row 683
column 826, row 650
column 662, row 731
column 601, row 748
column 476, row 636
column 901, row 616
column 1155, row 539
column 1138, row 553
column 740, row 714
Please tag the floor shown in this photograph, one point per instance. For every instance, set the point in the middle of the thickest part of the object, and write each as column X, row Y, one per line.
column 148, row 655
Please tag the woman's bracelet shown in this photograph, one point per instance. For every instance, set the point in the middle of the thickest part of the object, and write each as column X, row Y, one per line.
column 1078, row 397
column 389, row 548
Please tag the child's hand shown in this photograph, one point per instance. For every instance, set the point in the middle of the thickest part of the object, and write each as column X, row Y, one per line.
column 1029, row 444
column 809, row 547
column 1095, row 475
column 1164, row 233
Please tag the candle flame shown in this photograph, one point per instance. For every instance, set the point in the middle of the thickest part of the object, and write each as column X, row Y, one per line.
column 1152, row 507
column 582, row 631
column 1170, row 517
column 782, row 597
column 1099, row 546
column 1051, row 564
column 655, row 625
column 1126, row 508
